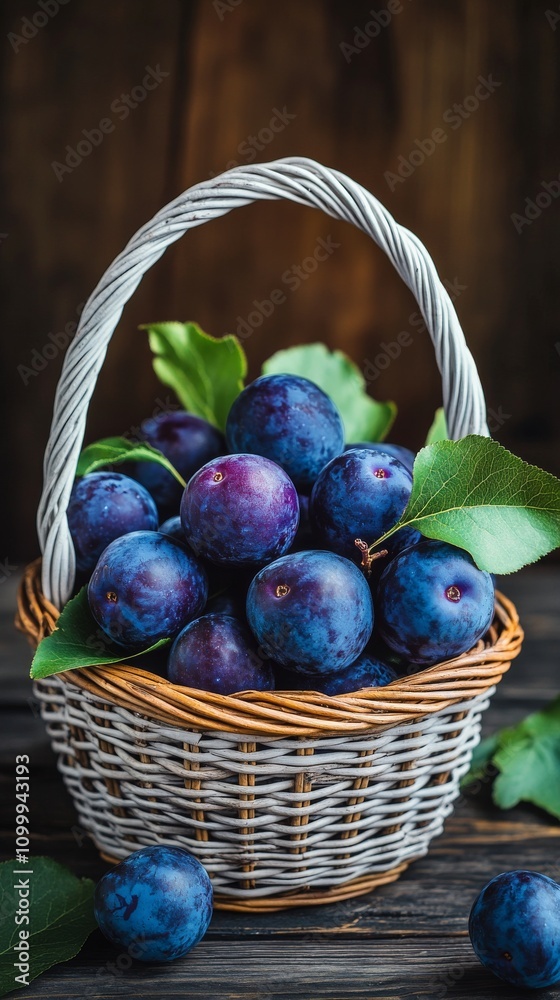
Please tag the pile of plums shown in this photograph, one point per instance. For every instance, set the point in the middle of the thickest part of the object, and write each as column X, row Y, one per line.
column 253, row 570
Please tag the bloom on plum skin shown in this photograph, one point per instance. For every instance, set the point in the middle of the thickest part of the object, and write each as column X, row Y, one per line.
column 433, row 603
column 103, row 506
column 514, row 927
column 240, row 510
column 146, row 587
column 157, row 903
column 290, row 420
column 311, row 611
column 217, row 652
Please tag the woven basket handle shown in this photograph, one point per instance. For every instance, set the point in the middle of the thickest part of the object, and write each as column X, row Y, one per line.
column 300, row 180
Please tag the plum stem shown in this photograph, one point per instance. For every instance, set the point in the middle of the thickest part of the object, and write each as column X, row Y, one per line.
column 368, row 556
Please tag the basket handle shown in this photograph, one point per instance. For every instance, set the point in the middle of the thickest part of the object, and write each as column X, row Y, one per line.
column 297, row 179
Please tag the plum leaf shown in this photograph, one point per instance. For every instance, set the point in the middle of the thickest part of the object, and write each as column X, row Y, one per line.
column 77, row 641
column 336, row 374
column 527, row 759
column 206, row 373
column 438, row 430
column 114, row 450
column 61, row 917
column 475, row 494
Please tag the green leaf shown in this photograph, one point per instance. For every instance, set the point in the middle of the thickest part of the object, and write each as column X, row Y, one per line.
column 480, row 760
column 114, row 450
column 364, row 418
column 477, row 495
column 438, row 430
column 206, row 373
column 60, row 912
column 77, row 641
column 528, row 759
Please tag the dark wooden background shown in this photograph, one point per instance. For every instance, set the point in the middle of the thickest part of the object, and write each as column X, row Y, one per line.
column 229, row 65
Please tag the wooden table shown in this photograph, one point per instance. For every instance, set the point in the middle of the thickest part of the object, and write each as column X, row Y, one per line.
column 406, row 940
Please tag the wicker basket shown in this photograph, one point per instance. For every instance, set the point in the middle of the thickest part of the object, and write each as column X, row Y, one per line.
column 286, row 798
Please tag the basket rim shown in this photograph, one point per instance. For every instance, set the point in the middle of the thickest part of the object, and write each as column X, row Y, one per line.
column 284, row 713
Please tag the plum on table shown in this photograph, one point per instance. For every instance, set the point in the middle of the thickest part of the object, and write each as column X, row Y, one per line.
column 103, row 506
column 290, row 420
column 514, row 927
column 146, row 587
column 311, row 611
column 157, row 903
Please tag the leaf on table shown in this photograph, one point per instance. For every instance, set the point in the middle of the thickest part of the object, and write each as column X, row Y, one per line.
column 61, row 917
column 364, row 418
column 475, row 494
column 527, row 757
column 206, row 373
column 114, row 450
column 438, row 430
column 77, row 641
column 481, row 760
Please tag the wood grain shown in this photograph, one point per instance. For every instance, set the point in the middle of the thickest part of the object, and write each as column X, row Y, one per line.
column 406, row 940
column 360, row 114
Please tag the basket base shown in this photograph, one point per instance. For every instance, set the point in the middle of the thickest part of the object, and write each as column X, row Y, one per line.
column 272, row 904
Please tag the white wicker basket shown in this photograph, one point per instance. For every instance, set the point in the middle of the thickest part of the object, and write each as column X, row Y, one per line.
column 285, row 798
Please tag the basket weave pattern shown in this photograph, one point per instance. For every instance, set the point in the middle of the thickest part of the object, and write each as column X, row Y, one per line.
column 313, row 818
column 286, row 797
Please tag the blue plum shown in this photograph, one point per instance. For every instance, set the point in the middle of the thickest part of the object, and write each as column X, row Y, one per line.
column 218, row 653
column 311, row 611
column 514, row 927
column 103, row 506
column 173, row 529
column 240, row 510
column 433, row 603
column 404, row 455
column 228, row 603
column 360, row 495
column 157, row 903
column 367, row 671
column 290, row 420
column 188, row 442
column 145, row 587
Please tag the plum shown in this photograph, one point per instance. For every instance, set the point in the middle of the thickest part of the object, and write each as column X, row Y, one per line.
column 240, row 510
column 173, row 529
column 188, row 442
column 404, row 455
column 156, row 904
column 290, row 420
column 218, row 653
column 146, row 587
column 433, row 603
column 514, row 927
column 311, row 611
column 367, row 671
column 360, row 495
column 103, row 506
